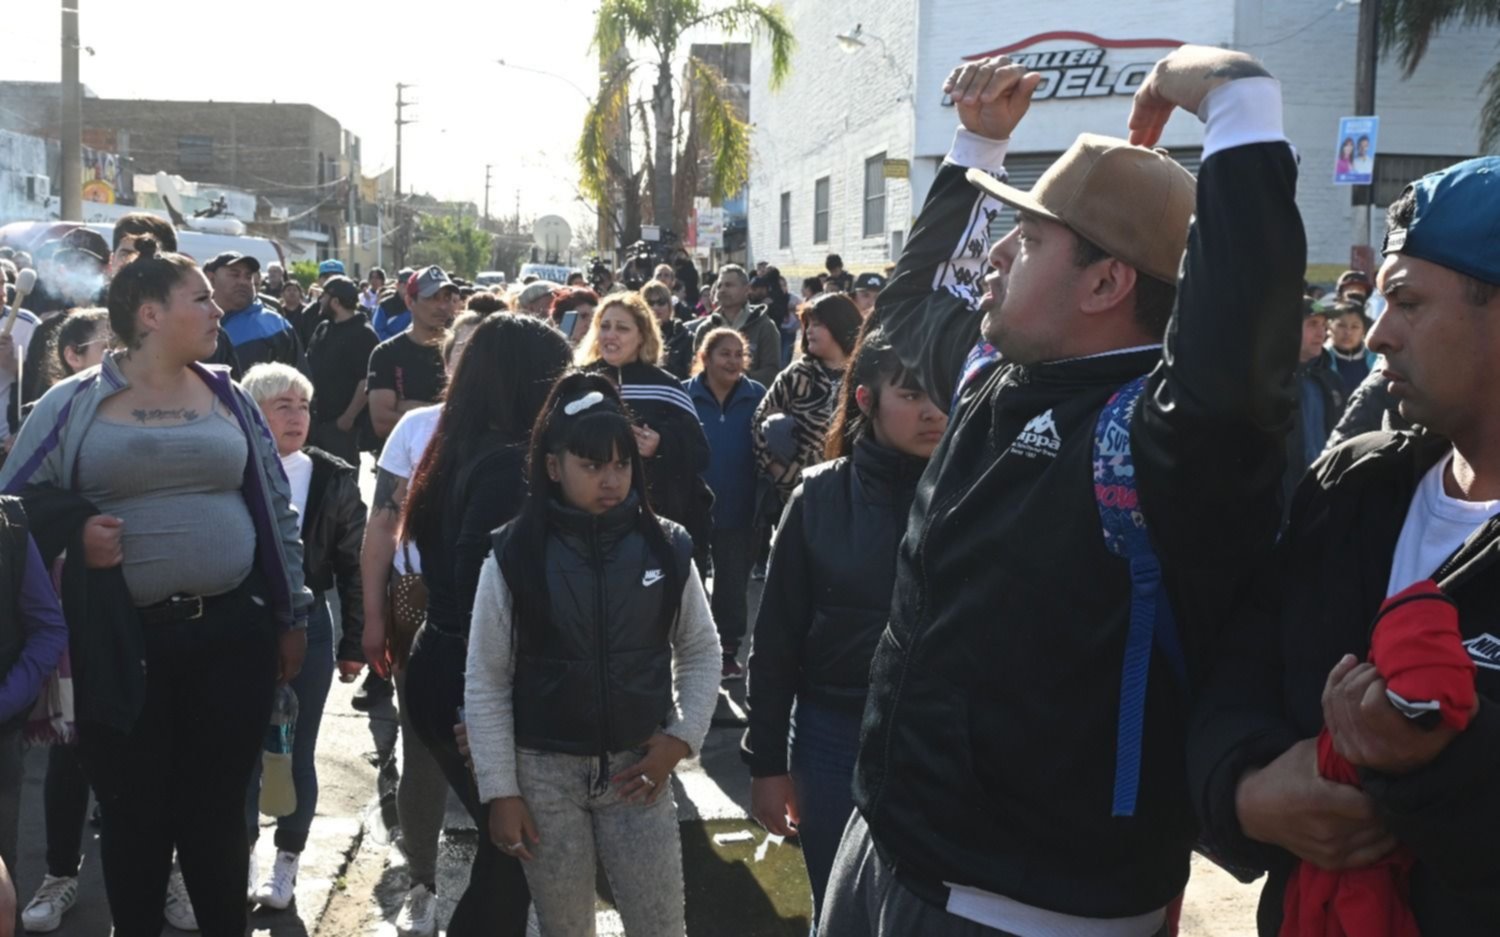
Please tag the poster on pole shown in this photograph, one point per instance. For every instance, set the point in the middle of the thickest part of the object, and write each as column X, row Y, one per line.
column 1354, row 162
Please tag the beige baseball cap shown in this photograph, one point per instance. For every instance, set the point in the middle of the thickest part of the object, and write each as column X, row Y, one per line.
column 1133, row 202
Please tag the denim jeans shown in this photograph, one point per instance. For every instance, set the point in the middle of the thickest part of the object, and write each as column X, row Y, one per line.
column 311, row 686
column 582, row 821
column 823, row 744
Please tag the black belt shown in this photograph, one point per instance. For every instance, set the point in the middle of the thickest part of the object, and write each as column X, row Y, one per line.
column 185, row 607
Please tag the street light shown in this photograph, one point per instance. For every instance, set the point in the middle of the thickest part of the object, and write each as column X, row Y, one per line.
column 857, row 38
column 851, row 42
column 537, row 71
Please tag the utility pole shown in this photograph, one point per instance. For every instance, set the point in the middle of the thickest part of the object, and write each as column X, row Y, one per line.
column 72, row 117
column 401, row 121
column 487, row 168
column 1366, row 52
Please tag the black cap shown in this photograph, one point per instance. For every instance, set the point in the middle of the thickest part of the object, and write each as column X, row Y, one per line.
column 344, row 290
column 404, row 274
column 762, row 282
column 231, row 257
column 869, row 281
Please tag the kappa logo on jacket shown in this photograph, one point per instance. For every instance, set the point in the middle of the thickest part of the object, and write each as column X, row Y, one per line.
column 1484, row 651
column 1038, row 438
column 652, row 577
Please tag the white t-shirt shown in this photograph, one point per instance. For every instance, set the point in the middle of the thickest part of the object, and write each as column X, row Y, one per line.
column 298, row 467
column 1436, row 526
column 403, row 450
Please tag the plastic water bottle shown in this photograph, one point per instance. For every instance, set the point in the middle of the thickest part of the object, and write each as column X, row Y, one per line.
column 278, row 795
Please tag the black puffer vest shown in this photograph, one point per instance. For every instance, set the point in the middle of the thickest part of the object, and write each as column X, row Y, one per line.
column 596, row 677
column 854, row 514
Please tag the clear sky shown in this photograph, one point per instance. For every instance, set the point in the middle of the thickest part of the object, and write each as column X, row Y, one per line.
column 345, row 57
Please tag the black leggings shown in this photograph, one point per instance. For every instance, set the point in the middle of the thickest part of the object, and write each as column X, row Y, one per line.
column 65, row 805
column 178, row 778
column 496, row 901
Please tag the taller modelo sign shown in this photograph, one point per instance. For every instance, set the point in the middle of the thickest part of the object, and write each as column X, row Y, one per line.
column 1081, row 71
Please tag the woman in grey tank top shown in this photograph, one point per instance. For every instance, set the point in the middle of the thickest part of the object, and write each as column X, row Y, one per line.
column 196, row 514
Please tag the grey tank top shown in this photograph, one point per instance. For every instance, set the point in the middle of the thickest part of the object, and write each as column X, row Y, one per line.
column 177, row 488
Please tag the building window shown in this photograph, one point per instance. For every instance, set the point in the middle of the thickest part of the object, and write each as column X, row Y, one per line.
column 820, row 211
column 1393, row 173
column 786, row 220
column 194, row 152
column 875, row 196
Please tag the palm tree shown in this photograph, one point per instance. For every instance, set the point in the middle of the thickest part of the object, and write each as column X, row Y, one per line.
column 659, row 26
column 1408, row 27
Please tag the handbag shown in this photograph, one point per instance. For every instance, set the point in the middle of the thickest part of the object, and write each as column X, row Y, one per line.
column 406, row 609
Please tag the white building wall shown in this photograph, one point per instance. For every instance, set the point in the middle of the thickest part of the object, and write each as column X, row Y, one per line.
column 1434, row 113
column 834, row 111
column 837, row 108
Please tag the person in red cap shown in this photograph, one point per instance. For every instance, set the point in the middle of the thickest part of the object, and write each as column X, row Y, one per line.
column 1380, row 513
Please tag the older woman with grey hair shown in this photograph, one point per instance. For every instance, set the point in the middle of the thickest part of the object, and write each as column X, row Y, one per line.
column 325, row 492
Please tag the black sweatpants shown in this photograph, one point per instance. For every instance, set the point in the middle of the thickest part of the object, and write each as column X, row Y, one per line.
column 496, row 901
column 178, row 778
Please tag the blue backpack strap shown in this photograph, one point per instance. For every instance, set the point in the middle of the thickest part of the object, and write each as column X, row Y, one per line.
column 1151, row 620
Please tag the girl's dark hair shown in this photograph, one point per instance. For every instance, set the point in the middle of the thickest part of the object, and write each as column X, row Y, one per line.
column 875, row 364
column 599, row 433
column 499, row 385
column 148, row 278
column 79, row 328
column 838, row 314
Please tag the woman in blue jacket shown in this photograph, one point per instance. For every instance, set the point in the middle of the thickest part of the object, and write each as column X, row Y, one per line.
column 726, row 400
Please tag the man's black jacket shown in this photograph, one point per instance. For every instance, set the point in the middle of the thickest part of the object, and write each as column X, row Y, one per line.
column 1324, row 587
column 988, row 751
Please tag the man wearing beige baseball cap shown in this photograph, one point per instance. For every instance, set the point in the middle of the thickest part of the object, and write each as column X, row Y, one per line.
column 1021, row 759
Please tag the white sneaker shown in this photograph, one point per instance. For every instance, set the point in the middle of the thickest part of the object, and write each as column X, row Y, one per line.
column 251, row 883
column 179, row 908
column 278, row 890
column 418, row 917
column 44, row 913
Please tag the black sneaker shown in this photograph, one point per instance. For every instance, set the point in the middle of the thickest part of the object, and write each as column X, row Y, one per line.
column 370, row 693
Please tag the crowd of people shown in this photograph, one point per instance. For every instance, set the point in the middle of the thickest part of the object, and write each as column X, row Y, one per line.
column 1078, row 547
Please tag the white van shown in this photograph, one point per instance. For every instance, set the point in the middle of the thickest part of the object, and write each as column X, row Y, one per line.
column 202, row 247
column 554, row 273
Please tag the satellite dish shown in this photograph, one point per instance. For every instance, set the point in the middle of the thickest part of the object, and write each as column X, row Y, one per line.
column 552, row 234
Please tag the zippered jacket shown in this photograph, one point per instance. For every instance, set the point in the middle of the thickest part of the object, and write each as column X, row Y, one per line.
column 1327, row 582
column 988, row 750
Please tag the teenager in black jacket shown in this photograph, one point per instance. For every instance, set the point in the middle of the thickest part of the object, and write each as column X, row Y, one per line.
column 988, row 782
column 823, row 611
column 1379, row 513
column 472, row 480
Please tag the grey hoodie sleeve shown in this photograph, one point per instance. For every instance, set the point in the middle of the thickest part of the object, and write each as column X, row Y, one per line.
column 36, row 455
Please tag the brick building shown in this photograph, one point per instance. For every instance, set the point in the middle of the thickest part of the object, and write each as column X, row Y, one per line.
column 830, row 144
column 293, row 156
